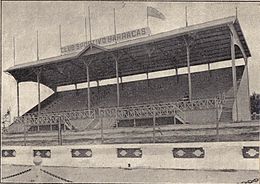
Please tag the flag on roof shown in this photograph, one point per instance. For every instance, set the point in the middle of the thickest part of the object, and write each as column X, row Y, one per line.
column 152, row 12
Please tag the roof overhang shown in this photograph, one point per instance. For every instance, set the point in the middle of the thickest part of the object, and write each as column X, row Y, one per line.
column 209, row 42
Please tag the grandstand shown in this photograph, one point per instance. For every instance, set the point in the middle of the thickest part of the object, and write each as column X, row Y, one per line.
column 192, row 98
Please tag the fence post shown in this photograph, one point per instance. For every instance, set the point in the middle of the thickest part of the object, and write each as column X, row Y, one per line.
column 25, row 131
column 102, row 130
column 153, row 127
column 59, row 131
column 116, row 117
column 217, row 125
column 102, row 126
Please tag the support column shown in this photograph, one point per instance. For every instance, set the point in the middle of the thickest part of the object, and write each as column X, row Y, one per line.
column 39, row 92
column 189, row 75
column 88, row 80
column 98, row 89
column 234, row 76
column 121, row 82
column 117, row 89
column 248, row 89
column 209, row 69
column 117, row 84
column 18, row 99
column 235, row 40
column 177, row 75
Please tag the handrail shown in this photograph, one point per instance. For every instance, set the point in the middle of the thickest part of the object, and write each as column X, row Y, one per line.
column 42, row 119
column 135, row 111
column 76, row 114
column 142, row 111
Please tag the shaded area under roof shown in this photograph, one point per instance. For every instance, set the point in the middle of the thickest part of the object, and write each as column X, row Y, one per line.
column 209, row 42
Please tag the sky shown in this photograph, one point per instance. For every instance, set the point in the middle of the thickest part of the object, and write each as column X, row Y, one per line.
column 22, row 20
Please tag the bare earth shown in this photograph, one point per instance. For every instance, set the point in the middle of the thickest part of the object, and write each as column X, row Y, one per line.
column 140, row 175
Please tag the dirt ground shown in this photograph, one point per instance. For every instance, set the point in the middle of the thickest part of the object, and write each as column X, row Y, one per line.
column 121, row 175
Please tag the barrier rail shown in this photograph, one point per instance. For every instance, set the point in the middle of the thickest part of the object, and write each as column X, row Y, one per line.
column 143, row 111
column 168, row 109
column 75, row 114
column 198, row 104
column 41, row 119
column 53, row 118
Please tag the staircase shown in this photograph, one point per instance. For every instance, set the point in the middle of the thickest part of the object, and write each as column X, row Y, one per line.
column 226, row 115
column 17, row 127
column 107, row 123
column 81, row 124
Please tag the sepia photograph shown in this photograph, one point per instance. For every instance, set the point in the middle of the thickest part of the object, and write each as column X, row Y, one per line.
column 130, row 92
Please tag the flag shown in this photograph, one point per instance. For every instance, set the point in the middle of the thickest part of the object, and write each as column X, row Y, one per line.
column 152, row 12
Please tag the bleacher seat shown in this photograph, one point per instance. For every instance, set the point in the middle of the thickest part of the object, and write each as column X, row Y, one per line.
column 138, row 92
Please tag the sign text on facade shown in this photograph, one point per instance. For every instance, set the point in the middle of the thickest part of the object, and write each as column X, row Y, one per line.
column 107, row 40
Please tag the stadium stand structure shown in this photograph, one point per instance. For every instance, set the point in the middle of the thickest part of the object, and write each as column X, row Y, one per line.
column 201, row 97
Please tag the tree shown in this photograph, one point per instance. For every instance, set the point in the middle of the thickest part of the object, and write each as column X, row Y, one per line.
column 255, row 103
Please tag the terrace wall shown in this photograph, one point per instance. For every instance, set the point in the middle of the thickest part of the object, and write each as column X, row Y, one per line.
column 210, row 156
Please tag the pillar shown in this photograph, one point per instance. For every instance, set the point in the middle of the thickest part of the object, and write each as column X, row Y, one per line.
column 39, row 91
column 177, row 75
column 117, row 83
column 88, row 80
column 189, row 75
column 18, row 99
column 209, row 69
column 98, row 89
column 234, row 76
column 248, row 88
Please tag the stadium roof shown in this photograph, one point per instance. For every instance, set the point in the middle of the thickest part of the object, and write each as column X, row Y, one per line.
column 209, row 42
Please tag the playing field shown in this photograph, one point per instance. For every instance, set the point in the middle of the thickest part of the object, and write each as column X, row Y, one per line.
column 113, row 175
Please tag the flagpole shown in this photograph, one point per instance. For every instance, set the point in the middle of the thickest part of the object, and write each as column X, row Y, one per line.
column 86, row 35
column 85, row 14
column 147, row 18
column 186, row 16
column 115, row 25
column 14, row 49
column 60, row 38
column 37, row 46
column 236, row 12
column 90, row 38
